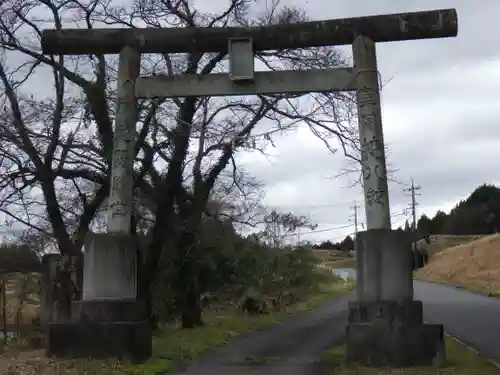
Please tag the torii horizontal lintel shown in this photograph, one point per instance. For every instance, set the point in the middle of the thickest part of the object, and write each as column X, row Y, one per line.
column 220, row 84
column 380, row 28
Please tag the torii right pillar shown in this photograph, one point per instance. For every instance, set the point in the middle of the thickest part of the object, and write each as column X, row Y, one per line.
column 385, row 323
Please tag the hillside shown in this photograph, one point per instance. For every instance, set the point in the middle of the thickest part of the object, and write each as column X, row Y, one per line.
column 443, row 241
column 474, row 265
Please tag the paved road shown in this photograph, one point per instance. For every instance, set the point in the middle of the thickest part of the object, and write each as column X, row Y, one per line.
column 290, row 348
column 293, row 347
column 472, row 318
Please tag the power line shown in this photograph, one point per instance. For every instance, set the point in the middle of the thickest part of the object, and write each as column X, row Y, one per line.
column 335, row 228
column 321, row 230
column 328, row 205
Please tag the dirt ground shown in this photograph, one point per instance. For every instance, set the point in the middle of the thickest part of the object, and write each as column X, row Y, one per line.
column 474, row 265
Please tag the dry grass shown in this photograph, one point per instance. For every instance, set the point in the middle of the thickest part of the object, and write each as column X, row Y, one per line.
column 460, row 361
column 442, row 242
column 27, row 307
column 474, row 265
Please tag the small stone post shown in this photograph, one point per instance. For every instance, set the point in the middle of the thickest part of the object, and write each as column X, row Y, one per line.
column 49, row 263
column 385, row 323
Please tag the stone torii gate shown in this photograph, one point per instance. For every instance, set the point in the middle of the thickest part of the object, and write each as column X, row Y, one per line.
column 385, row 322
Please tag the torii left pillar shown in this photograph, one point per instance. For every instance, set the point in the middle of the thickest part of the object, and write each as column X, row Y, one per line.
column 110, row 321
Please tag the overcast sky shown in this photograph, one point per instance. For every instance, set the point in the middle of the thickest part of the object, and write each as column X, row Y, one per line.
column 440, row 118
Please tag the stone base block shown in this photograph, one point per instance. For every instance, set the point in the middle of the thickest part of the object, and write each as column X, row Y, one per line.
column 99, row 340
column 392, row 312
column 378, row 345
column 102, row 329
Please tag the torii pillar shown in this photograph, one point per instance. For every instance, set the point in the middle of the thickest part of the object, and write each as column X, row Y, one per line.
column 385, row 323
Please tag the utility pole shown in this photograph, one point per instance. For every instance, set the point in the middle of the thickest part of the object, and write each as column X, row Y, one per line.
column 355, row 208
column 412, row 190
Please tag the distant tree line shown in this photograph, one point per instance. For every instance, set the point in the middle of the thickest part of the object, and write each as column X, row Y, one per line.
column 478, row 214
column 346, row 244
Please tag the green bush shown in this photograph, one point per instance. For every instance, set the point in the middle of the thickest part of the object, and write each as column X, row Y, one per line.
column 230, row 273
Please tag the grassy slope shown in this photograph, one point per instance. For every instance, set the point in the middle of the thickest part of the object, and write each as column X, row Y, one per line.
column 474, row 265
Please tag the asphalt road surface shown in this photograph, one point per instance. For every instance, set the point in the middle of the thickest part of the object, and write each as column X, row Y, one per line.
column 472, row 318
column 289, row 348
column 293, row 347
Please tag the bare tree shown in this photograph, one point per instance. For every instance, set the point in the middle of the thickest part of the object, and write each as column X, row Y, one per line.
column 279, row 225
column 56, row 146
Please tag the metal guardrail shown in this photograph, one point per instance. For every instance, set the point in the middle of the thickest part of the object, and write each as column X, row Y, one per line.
column 340, row 273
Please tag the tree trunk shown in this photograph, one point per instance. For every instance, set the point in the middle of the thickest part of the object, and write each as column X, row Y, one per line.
column 144, row 283
column 189, row 279
column 63, row 292
column 191, row 308
column 64, row 288
column 144, row 294
column 143, row 278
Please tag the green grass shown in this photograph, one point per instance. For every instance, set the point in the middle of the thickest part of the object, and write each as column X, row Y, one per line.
column 459, row 361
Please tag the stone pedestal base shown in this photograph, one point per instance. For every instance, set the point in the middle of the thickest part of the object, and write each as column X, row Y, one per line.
column 100, row 340
column 391, row 333
column 379, row 345
column 102, row 326
column 102, row 329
